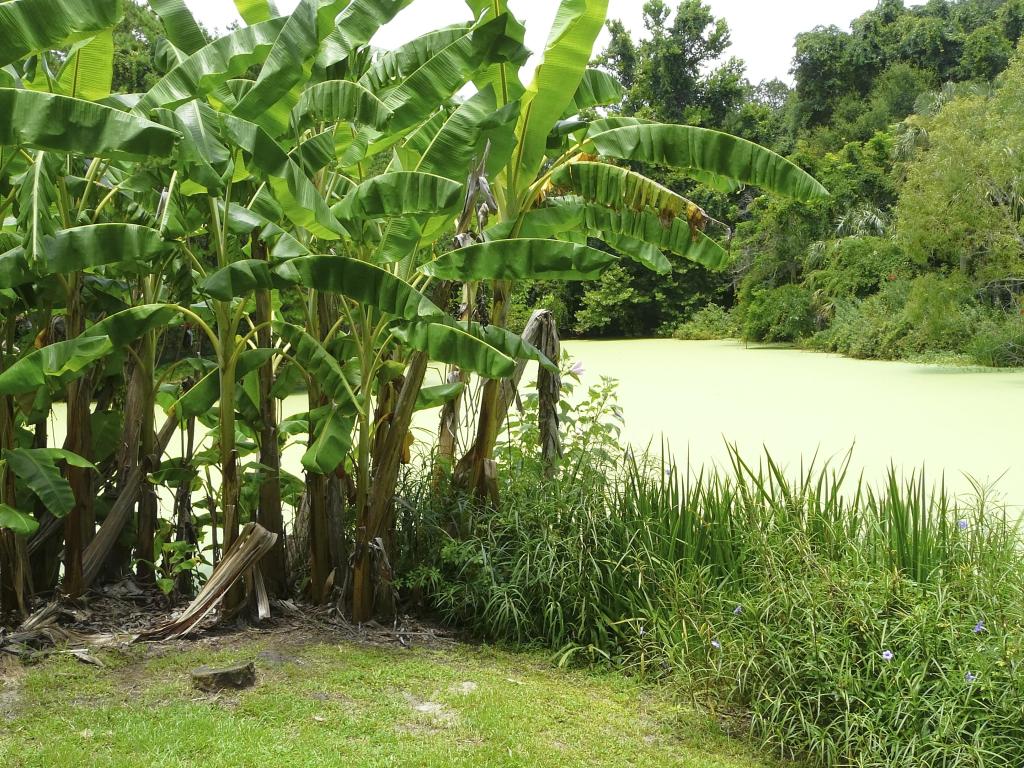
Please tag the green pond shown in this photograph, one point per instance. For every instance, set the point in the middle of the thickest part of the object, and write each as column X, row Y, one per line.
column 957, row 423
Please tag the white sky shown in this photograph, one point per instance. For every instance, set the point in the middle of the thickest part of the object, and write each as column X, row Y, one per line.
column 762, row 32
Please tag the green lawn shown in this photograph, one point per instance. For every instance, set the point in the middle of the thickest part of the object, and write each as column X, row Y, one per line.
column 321, row 704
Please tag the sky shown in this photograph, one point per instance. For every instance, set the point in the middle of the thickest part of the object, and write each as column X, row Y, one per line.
column 762, row 32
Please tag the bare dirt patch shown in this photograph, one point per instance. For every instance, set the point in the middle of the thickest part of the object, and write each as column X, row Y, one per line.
column 11, row 675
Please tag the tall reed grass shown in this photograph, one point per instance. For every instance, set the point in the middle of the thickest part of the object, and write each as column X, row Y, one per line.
column 853, row 625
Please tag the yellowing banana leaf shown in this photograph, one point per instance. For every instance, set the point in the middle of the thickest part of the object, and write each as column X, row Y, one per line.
column 706, row 151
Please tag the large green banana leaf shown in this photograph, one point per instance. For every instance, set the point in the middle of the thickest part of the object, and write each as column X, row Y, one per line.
column 288, row 66
column 37, row 199
column 213, row 65
column 89, row 69
column 643, row 253
column 336, row 101
column 355, row 27
column 541, row 223
column 180, row 26
column 435, row 397
column 33, row 26
column 125, row 327
column 255, row 11
column 59, row 361
column 450, row 344
column 14, row 269
column 700, row 149
column 37, row 468
column 450, row 149
column 299, row 198
column 391, row 67
column 200, row 399
column 201, row 154
column 241, row 278
column 440, row 77
column 560, row 219
column 503, row 77
column 505, row 341
column 319, row 364
column 47, row 121
column 521, row 259
column 331, row 428
column 19, row 522
column 362, row 282
column 569, row 48
column 92, row 245
column 316, row 152
column 400, row 193
column 597, row 89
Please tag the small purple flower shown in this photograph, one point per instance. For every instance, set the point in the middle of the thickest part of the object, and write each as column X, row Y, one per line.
column 979, row 627
column 970, row 677
column 888, row 655
column 716, row 645
column 577, row 369
column 963, row 525
column 737, row 610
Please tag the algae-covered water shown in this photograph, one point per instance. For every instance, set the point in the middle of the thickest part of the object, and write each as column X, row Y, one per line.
column 698, row 395
column 955, row 422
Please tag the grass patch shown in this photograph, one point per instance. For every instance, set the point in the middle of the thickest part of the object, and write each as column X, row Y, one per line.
column 317, row 703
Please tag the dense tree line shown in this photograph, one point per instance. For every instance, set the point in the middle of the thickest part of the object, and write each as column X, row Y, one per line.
column 909, row 118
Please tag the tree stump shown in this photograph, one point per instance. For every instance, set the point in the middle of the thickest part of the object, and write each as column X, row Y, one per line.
column 235, row 676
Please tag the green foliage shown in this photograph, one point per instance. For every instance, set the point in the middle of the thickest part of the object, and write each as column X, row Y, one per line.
column 709, row 323
column 906, row 318
column 811, row 601
column 778, row 314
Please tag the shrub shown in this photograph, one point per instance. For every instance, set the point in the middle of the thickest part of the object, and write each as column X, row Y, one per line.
column 708, row 324
column 779, row 314
column 930, row 314
column 999, row 342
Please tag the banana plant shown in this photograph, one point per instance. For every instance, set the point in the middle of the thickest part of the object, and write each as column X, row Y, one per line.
column 297, row 221
column 64, row 189
column 570, row 178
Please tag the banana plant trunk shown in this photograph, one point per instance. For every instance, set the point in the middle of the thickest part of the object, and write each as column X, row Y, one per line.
column 549, row 393
column 372, row 593
column 147, row 455
column 81, row 521
column 269, row 513
column 317, row 486
column 14, row 576
column 477, row 471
